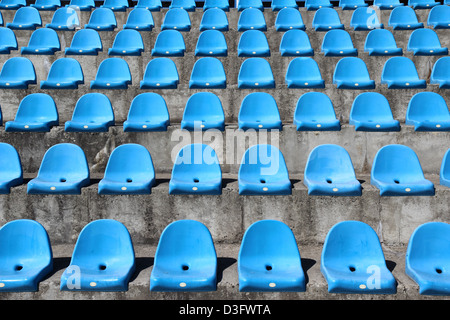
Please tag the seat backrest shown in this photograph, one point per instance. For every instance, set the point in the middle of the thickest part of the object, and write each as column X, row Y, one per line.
column 423, row 38
column 66, row 16
column 197, row 160
column 161, row 68
column 370, row 105
column 380, row 38
column 203, row 106
column 365, row 16
column 259, row 105
column 337, row 39
column 303, row 68
column 176, row 16
column 7, row 38
column 295, row 39
column 208, row 68
column 37, row 107
column 86, row 38
column 212, row 18
column 288, row 16
column 27, row 15
column 326, row 16
column 399, row 68
column 114, row 68
column 66, row 69
column 170, row 39
column 253, row 39
column 148, row 105
column 128, row 39
column 44, row 38
column 444, row 172
column 18, row 68
column 438, row 14
column 103, row 16
column 255, row 68
column 403, row 14
column 351, row 68
column 10, row 163
column 211, row 39
column 130, row 161
column 314, row 105
column 93, row 105
column 251, row 16
column 140, row 16
column 427, row 106
column 263, row 161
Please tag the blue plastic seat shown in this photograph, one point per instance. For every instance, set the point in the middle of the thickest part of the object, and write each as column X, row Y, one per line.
column 353, row 261
column 304, row 72
column 160, row 73
column 425, row 42
column 211, row 43
column 85, row 42
column 313, row 5
column 129, row 171
column 26, row 255
column 151, row 5
column 64, row 19
column 401, row 73
column 17, row 73
column 12, row 4
column 203, row 111
column 176, row 19
column 295, row 43
column 315, row 112
column 140, row 19
column 115, row 5
column 365, row 19
column 46, row 5
column 25, row 18
column 381, row 42
column 65, row 73
column 251, row 19
column 253, row 43
column 288, row 19
column 82, row 5
column 396, row 171
column 36, row 113
column 102, row 19
column 188, row 5
column 103, row 258
column 127, row 42
column 8, row 40
column 148, row 112
column 112, row 73
column 169, row 43
column 93, row 113
column 387, row 4
column 338, row 43
column 326, row 19
column 428, row 111
column 371, row 112
column 42, row 41
column 259, row 110
column 255, row 73
column 264, row 265
column 64, row 170
column 196, row 171
column 329, row 172
column 218, row 4
column 208, row 72
column 185, row 259
column 352, row 4
column 422, row 4
column 10, row 168
column 278, row 5
column 439, row 17
column 352, row 73
column 404, row 18
column 215, row 19
column 252, row 4
column 444, row 172
column 440, row 74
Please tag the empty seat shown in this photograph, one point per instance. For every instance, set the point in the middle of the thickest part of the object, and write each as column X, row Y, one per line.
column 93, row 113
column 387, row 4
column 36, row 113
column 289, row 18
column 85, row 42
column 203, row 111
column 17, row 73
column 42, row 41
column 185, row 259
column 404, row 18
column 140, row 19
column 396, row 171
column 312, row 5
column 252, row 4
column 352, row 73
column 48, row 5
column 169, row 43
column 196, row 171
column 10, row 168
column 338, row 43
column 64, row 170
column 295, row 43
column 422, row 4
column 103, row 258
column 148, row 112
column 401, row 73
column 160, row 73
column 371, row 112
column 129, row 171
column 178, row 19
column 112, row 73
column 277, row 5
column 381, row 42
column 12, row 4
column 82, row 5
column 352, row 4
column 102, row 19
column 215, row 19
column 151, row 5
column 25, row 254
column 25, row 18
column 440, row 74
column 188, row 5
column 439, row 17
column 264, row 265
column 259, row 110
column 304, row 72
column 444, row 172
column 65, row 73
column 253, row 43
column 219, row 4
column 365, row 19
column 208, row 72
column 8, row 40
column 325, row 19
column 329, row 172
column 255, row 73
column 425, row 42
column 352, row 260
column 65, row 19
column 315, row 112
column 251, row 19
column 115, row 5
column 428, row 111
column 127, row 42
column 211, row 43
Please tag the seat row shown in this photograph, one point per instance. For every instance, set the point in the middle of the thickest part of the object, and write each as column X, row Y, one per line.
column 269, row 260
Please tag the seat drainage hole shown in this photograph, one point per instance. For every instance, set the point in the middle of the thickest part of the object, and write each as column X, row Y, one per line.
column 129, row 180
column 329, row 181
column 185, row 267
column 396, row 181
column 352, row 269
column 62, row 180
column 438, row 270
column 262, row 180
column 102, row 267
column 196, row 180
column 268, row 267
column 18, row 268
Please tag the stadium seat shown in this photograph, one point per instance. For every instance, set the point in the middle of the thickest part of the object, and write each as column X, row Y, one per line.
column 288, row 19
column 352, row 260
column 185, row 259
column 401, row 73
column 112, row 73
column 425, row 42
column 102, row 19
column 103, row 258
column 216, row 4
column 365, row 19
column 371, row 112
column 444, row 173
column 440, row 74
column 93, row 113
column 264, row 265
column 176, row 19
column 129, row 171
column 12, row 4
column 115, row 5
column 259, row 110
column 160, row 73
column 151, row 5
column 387, row 4
column 325, row 19
column 37, row 112
column 422, row 4
column 329, row 172
column 381, row 42
column 140, row 19
column 46, row 5
column 313, row 5
column 428, row 111
column 215, row 19
column 427, row 258
column 295, row 43
column 169, row 43
column 304, row 72
column 64, row 170
column 337, row 43
column 277, row 5
column 188, row 5
column 25, row 18
column 10, row 169
column 17, row 73
column 251, row 19
column 253, row 43
column 196, row 171
column 211, row 43
column 148, row 112
column 42, row 41
column 352, row 73
column 255, row 73
column 352, row 4
column 203, row 111
column 85, row 42
column 127, row 42
column 82, row 5
column 65, row 73
column 26, row 255
column 8, row 40
column 64, row 19
column 315, row 112
column 439, row 17
column 263, row 171
column 404, row 18
column 252, row 4
column 396, row 171
column 208, row 72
